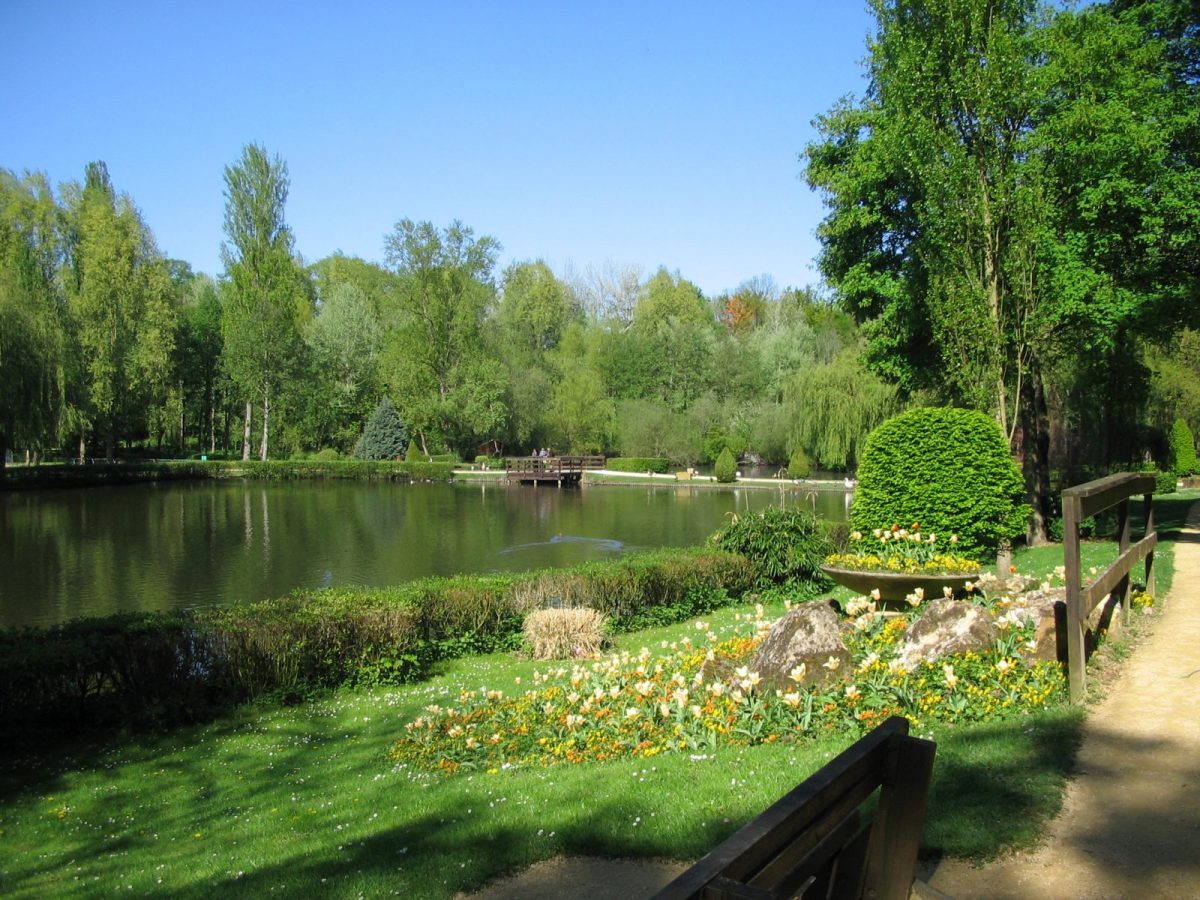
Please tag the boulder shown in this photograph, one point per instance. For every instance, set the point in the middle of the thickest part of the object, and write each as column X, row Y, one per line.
column 810, row 636
column 1038, row 604
column 947, row 627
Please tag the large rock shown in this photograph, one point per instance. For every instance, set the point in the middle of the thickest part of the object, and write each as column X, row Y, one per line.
column 807, row 636
column 947, row 627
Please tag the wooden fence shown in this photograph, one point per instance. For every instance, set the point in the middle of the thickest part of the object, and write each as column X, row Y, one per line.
column 1078, row 504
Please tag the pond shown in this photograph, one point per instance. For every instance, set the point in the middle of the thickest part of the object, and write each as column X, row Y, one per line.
column 96, row 551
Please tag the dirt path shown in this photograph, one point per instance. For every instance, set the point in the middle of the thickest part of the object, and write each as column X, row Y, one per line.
column 1130, row 826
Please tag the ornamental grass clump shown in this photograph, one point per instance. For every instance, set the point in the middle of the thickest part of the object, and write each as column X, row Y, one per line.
column 571, row 633
column 905, row 550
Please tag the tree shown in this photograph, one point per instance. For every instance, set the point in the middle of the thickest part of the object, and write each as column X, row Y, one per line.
column 985, row 205
column 834, row 407
column 121, row 310
column 676, row 333
column 384, row 436
column 31, row 351
column 266, row 297
column 344, row 341
column 444, row 294
column 535, row 307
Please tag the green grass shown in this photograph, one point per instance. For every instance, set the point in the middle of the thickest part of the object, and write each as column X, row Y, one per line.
column 304, row 799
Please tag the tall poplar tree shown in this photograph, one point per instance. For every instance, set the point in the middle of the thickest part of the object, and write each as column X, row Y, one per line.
column 121, row 312
column 265, row 300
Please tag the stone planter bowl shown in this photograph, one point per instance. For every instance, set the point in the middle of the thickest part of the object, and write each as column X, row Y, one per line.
column 895, row 586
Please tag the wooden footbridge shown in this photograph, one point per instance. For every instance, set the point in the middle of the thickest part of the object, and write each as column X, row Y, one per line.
column 559, row 469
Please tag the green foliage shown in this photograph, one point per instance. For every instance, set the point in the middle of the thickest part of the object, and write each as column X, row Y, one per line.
column 656, row 464
column 798, row 466
column 785, row 546
column 385, row 436
column 328, row 455
column 725, row 467
column 949, row 470
column 1165, row 482
column 834, row 406
column 716, row 441
column 1183, row 449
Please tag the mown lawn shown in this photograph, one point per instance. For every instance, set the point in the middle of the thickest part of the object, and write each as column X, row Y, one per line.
column 305, row 799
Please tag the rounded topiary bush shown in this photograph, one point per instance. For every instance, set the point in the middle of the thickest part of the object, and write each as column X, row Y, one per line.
column 949, row 470
column 726, row 467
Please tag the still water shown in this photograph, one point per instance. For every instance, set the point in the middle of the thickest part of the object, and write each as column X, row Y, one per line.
column 95, row 551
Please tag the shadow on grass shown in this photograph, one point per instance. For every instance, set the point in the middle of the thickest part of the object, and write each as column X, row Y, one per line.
column 995, row 786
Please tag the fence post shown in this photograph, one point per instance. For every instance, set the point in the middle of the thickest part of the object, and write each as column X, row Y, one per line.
column 1122, row 546
column 1076, row 652
column 1148, row 505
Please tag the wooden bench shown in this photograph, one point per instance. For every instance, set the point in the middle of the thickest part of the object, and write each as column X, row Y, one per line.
column 822, row 838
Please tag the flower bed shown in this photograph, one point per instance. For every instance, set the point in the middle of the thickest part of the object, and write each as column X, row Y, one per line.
column 696, row 695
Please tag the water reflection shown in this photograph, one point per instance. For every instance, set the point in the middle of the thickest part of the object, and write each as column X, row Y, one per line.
column 147, row 547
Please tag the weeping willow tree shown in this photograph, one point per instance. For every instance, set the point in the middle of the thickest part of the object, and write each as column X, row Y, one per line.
column 833, row 407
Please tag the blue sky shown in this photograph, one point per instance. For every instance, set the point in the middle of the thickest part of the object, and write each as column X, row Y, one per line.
column 648, row 133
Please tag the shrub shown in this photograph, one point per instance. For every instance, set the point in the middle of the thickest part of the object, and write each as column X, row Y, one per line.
column 135, row 670
column 948, row 470
column 564, row 633
column 384, row 436
column 783, row 545
column 328, row 455
column 725, row 467
column 656, row 464
column 798, row 465
column 1183, row 448
column 1164, row 482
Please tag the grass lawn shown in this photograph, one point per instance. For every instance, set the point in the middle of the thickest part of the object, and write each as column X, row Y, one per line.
column 304, row 799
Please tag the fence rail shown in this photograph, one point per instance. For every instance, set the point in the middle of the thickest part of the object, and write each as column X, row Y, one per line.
column 1079, row 503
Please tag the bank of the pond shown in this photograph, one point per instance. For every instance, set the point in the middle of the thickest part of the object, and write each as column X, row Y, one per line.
column 160, row 668
column 100, row 473
column 641, row 479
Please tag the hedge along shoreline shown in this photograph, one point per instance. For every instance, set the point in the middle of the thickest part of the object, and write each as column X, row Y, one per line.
column 218, row 470
column 135, row 670
column 659, row 465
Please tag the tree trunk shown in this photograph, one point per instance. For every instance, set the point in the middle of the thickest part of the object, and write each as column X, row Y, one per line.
column 246, row 433
column 1035, row 444
column 262, row 449
column 82, row 447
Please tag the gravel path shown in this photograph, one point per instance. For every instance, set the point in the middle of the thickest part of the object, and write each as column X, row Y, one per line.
column 1130, row 825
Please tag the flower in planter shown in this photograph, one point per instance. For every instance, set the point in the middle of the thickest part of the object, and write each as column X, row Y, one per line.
column 898, row 549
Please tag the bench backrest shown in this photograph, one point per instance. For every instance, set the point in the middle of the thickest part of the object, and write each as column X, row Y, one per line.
column 822, row 839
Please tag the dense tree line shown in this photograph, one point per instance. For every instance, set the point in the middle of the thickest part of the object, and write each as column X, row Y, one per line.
column 1013, row 226
column 115, row 349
